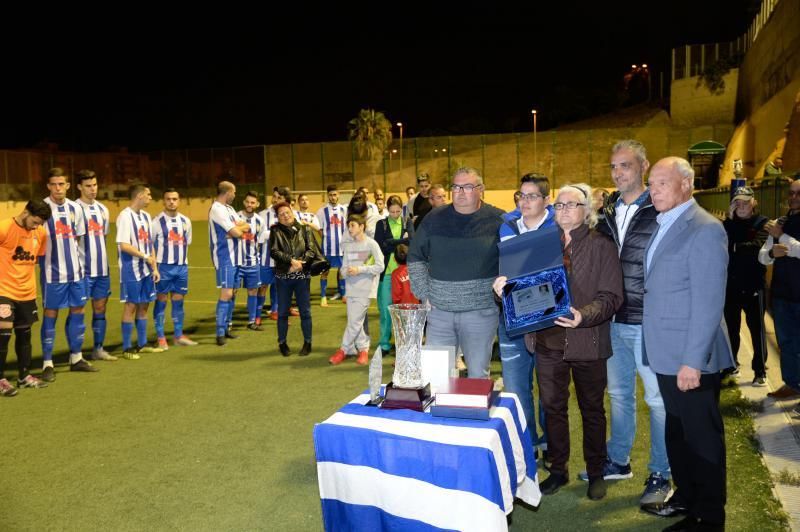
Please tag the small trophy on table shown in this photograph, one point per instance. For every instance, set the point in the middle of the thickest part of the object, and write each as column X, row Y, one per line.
column 407, row 389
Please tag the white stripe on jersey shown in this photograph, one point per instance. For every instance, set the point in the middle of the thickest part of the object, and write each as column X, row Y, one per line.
column 306, row 217
column 62, row 263
column 331, row 223
column 93, row 252
column 221, row 219
column 247, row 253
column 133, row 228
column 171, row 238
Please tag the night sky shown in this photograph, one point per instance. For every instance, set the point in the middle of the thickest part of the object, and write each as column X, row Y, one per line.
column 274, row 75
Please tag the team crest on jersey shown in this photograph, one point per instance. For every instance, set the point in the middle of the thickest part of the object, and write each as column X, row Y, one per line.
column 175, row 237
column 336, row 220
column 94, row 228
column 143, row 235
column 63, row 230
column 5, row 311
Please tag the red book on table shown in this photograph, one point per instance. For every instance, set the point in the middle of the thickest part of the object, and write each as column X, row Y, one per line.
column 476, row 393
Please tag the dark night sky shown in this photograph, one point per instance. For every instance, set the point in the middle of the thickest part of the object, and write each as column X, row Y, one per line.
column 279, row 75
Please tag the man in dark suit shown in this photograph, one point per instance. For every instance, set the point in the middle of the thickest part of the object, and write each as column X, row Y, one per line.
column 685, row 341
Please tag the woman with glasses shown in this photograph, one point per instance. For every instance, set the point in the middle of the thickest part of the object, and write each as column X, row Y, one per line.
column 578, row 346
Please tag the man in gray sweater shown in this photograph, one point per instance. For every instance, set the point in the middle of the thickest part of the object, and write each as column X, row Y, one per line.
column 452, row 263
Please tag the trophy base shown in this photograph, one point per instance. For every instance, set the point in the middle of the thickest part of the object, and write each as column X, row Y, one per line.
column 409, row 398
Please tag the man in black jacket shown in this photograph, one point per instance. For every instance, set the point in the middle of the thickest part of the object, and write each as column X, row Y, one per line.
column 630, row 220
column 745, row 289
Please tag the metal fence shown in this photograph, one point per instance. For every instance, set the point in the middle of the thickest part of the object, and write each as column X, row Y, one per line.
column 771, row 194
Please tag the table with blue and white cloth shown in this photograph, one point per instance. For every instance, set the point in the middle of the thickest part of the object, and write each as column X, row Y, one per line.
column 405, row 470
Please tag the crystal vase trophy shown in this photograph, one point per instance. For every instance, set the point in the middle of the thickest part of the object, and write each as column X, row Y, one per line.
column 407, row 389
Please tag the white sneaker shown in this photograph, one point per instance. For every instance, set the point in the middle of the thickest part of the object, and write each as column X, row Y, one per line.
column 102, row 354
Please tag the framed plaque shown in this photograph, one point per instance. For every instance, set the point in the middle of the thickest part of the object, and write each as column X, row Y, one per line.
column 537, row 292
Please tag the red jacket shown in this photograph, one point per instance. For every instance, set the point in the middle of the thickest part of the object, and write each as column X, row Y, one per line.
column 401, row 286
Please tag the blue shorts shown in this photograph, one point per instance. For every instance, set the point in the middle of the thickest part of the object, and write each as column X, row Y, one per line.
column 174, row 279
column 64, row 295
column 143, row 291
column 98, row 287
column 335, row 260
column 227, row 277
column 248, row 277
column 267, row 275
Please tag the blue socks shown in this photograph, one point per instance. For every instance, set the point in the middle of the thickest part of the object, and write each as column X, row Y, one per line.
column 231, row 304
column 341, row 287
column 222, row 317
column 177, row 317
column 76, row 330
column 260, row 303
column 323, row 287
column 252, row 308
column 48, row 335
column 141, row 332
column 99, row 329
column 127, row 332
column 159, row 316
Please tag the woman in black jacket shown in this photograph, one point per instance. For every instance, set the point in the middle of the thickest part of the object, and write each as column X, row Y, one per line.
column 389, row 233
column 291, row 245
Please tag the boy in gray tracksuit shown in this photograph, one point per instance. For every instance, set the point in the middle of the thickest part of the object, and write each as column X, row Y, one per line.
column 362, row 266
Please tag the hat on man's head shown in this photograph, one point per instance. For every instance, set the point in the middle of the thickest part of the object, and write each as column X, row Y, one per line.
column 423, row 177
column 743, row 193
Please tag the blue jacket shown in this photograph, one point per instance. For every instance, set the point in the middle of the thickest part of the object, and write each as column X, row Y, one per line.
column 509, row 227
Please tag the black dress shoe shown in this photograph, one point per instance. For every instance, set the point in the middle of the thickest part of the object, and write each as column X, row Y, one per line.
column 672, row 508
column 553, row 483
column 284, row 349
column 305, row 350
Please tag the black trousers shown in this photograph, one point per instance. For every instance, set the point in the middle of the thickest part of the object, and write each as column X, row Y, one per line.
column 752, row 303
column 695, row 438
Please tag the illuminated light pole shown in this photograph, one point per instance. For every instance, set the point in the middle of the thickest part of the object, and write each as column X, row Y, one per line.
column 400, row 125
column 535, row 159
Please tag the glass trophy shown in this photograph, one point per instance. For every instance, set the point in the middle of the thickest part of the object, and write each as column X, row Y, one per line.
column 407, row 389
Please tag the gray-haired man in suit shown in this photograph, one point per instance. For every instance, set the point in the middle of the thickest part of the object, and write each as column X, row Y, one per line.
column 686, row 343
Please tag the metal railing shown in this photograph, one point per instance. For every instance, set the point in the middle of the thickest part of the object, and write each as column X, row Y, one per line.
column 771, row 194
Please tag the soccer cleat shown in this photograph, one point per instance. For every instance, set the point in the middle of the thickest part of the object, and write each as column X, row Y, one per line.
column 229, row 333
column 294, row 311
column 184, row 340
column 305, row 350
column 323, row 302
column 611, row 471
column 337, row 358
column 130, row 355
column 335, row 296
column 82, row 365
column 31, row 382
column 48, row 374
column 221, row 340
column 657, row 490
column 253, row 326
column 273, row 315
column 101, row 354
column 6, row 389
column 363, row 358
column 162, row 344
column 284, row 348
column 148, row 349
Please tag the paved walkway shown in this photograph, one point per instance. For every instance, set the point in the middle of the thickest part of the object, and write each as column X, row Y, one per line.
column 778, row 425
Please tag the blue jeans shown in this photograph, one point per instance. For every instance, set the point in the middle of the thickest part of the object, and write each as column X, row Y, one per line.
column 302, row 293
column 518, row 365
column 786, row 315
column 626, row 341
column 472, row 331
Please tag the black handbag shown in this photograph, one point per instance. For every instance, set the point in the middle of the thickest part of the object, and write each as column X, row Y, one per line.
column 317, row 264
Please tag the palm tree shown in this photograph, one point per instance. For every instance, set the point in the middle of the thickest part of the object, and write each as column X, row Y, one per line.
column 372, row 133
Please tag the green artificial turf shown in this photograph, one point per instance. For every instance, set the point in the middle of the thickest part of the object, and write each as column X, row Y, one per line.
column 210, row 438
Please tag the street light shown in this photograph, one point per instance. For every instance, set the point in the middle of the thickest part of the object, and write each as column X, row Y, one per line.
column 534, row 140
column 400, row 125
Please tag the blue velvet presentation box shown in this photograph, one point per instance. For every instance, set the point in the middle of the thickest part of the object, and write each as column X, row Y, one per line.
column 537, row 292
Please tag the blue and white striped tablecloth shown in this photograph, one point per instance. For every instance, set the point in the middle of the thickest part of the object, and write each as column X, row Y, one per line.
column 404, row 470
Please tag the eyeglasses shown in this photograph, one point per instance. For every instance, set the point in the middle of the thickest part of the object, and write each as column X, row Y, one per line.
column 530, row 197
column 570, row 205
column 464, row 188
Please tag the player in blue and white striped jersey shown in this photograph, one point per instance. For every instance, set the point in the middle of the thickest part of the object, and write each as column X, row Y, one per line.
column 172, row 235
column 279, row 194
column 249, row 259
column 225, row 227
column 62, row 275
column 304, row 215
column 138, row 271
column 331, row 218
column 94, row 259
